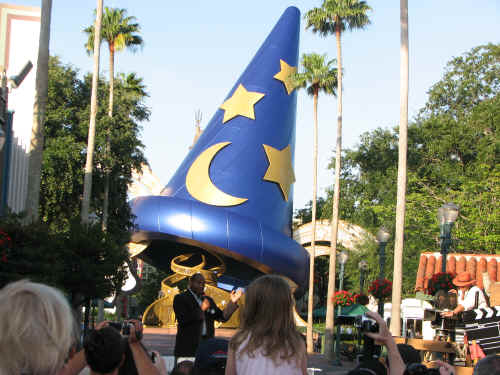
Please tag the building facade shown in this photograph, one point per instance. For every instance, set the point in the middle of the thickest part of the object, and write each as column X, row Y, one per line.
column 19, row 36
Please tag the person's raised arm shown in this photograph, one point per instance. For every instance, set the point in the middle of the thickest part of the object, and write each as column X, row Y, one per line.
column 396, row 364
column 233, row 304
column 142, row 361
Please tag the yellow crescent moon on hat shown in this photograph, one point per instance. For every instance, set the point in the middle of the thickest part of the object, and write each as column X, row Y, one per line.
column 199, row 184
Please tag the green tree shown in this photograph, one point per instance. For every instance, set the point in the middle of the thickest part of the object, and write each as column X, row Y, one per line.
column 119, row 31
column 317, row 75
column 452, row 156
column 304, row 215
column 67, row 127
column 149, row 290
column 334, row 17
column 81, row 260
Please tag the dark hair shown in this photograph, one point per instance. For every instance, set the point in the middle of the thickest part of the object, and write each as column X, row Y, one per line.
column 182, row 367
column 369, row 367
column 408, row 353
column 420, row 369
column 488, row 365
column 103, row 350
column 211, row 356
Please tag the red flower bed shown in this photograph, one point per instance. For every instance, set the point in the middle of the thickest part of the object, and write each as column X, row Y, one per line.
column 440, row 281
column 381, row 289
column 343, row 298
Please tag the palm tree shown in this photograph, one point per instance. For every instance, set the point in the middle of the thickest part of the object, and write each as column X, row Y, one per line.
column 87, row 183
column 318, row 75
column 335, row 16
column 401, row 190
column 119, row 32
column 41, row 95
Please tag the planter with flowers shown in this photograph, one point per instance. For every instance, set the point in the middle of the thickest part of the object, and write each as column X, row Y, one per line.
column 342, row 298
column 381, row 289
column 440, row 281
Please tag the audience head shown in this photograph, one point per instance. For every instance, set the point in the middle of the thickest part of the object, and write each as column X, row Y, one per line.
column 488, row 365
column 268, row 302
column 183, row 368
column 104, row 350
column 37, row 329
column 408, row 353
column 211, row 357
column 267, row 321
column 369, row 367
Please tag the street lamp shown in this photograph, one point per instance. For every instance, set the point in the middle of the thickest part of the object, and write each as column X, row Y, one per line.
column 363, row 267
column 342, row 260
column 447, row 215
column 383, row 236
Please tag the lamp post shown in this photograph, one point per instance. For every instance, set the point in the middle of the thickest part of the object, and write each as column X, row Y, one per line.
column 363, row 266
column 447, row 215
column 383, row 236
column 342, row 260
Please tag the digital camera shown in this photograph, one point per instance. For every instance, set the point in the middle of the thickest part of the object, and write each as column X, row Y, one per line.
column 124, row 328
column 365, row 324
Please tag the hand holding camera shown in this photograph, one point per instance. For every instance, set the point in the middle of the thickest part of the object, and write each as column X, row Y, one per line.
column 133, row 330
column 379, row 331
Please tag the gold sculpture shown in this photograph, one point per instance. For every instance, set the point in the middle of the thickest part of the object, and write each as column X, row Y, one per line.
column 161, row 312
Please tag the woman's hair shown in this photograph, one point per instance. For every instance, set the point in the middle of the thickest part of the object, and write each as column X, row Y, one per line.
column 267, row 321
column 104, row 350
column 37, row 329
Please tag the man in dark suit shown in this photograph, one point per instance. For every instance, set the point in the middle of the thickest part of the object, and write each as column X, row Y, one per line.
column 195, row 313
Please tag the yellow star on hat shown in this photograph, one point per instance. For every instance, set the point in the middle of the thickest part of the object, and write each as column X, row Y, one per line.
column 280, row 168
column 284, row 76
column 240, row 104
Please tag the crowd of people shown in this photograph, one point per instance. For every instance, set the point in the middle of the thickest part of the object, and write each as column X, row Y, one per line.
column 39, row 336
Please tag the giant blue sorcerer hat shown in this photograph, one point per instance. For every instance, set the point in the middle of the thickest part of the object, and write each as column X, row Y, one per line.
column 232, row 195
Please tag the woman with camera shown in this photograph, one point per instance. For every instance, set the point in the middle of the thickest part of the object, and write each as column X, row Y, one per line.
column 396, row 363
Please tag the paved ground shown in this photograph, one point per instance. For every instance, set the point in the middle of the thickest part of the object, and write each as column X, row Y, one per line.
column 163, row 340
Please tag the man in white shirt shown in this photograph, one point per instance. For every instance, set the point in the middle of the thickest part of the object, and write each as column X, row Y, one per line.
column 466, row 295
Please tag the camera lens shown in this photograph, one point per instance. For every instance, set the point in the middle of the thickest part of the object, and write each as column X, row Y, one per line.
column 125, row 329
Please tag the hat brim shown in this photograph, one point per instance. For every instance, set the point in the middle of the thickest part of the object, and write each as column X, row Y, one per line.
column 239, row 238
column 463, row 283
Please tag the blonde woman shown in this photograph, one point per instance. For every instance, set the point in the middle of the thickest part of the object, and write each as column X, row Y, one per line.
column 268, row 341
column 37, row 329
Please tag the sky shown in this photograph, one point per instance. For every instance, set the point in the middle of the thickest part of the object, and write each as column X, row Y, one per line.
column 195, row 50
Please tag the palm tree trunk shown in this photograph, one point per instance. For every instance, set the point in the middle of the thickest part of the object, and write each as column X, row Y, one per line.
column 401, row 194
column 312, row 253
column 329, row 324
column 105, row 206
column 39, row 108
column 87, row 184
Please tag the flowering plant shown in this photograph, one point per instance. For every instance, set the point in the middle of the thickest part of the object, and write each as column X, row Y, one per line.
column 440, row 280
column 380, row 289
column 342, row 298
column 5, row 245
